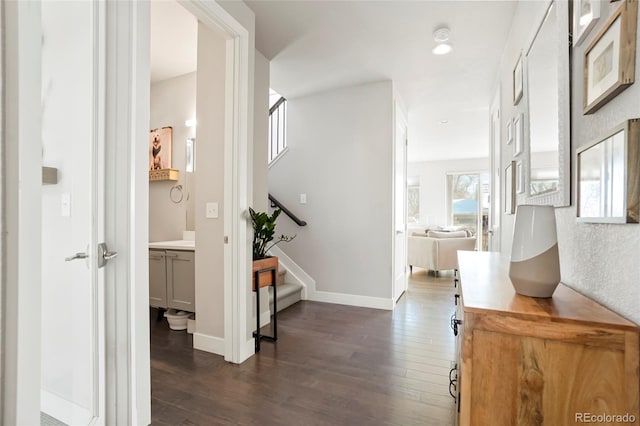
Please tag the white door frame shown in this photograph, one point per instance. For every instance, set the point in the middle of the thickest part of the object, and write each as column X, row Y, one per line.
column 399, row 119
column 22, row 177
column 495, row 131
column 126, row 284
column 238, row 173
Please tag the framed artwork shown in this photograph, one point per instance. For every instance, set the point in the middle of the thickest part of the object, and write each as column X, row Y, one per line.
column 608, row 173
column 509, row 189
column 509, row 132
column 609, row 61
column 518, row 79
column 518, row 146
column 160, row 141
column 585, row 16
column 519, row 177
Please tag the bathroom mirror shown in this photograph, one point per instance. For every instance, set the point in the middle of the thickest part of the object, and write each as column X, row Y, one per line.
column 190, row 182
column 547, row 65
column 609, row 176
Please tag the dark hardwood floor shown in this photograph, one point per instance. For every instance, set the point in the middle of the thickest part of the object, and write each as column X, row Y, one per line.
column 332, row 365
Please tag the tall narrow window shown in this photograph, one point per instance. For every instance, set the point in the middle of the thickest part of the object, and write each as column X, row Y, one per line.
column 413, row 199
column 277, row 125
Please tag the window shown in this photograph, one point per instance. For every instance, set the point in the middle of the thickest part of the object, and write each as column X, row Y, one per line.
column 277, row 125
column 413, row 199
column 469, row 203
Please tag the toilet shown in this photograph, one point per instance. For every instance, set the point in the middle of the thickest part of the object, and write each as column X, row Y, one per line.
column 177, row 319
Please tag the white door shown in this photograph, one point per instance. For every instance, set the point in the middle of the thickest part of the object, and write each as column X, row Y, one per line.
column 72, row 386
column 400, row 195
column 494, row 144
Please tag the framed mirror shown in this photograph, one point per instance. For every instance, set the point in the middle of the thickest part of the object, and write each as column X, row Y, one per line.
column 547, row 65
column 608, row 183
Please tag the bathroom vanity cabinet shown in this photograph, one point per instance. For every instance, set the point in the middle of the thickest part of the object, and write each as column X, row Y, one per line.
column 172, row 279
column 525, row 361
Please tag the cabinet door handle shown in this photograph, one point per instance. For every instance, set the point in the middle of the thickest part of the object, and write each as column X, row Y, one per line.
column 455, row 299
column 455, row 283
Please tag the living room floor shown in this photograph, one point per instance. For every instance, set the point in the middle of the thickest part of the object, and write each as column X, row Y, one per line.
column 332, row 365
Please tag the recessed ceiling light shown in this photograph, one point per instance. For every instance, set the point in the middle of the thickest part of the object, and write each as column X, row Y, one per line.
column 445, row 121
column 442, row 49
column 441, row 36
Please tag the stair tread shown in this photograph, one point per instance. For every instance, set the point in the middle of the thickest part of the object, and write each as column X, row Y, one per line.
column 285, row 290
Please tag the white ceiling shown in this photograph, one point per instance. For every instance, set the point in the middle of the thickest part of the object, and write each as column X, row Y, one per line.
column 319, row 45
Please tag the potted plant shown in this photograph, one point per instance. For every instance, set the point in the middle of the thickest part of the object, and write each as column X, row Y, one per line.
column 264, row 228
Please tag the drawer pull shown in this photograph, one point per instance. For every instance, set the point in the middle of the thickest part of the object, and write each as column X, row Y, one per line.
column 455, row 299
column 453, row 382
column 455, row 283
column 454, row 324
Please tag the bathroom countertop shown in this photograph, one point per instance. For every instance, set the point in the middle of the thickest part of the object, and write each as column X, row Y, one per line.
column 174, row 245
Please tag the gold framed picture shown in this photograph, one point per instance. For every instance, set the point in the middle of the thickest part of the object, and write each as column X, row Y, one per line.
column 160, row 141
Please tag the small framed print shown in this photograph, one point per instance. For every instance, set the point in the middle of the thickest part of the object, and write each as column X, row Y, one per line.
column 519, row 177
column 509, row 132
column 509, row 189
column 518, row 146
column 609, row 61
column 518, row 78
column 585, row 15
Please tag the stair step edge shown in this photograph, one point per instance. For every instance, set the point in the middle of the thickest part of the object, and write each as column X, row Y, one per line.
column 286, row 289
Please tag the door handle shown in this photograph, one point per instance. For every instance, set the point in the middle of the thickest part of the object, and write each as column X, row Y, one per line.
column 104, row 254
column 76, row 256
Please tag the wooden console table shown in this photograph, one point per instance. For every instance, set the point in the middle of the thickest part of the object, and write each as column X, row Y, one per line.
column 526, row 361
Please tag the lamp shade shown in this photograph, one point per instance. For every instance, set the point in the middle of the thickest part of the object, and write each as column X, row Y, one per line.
column 535, row 266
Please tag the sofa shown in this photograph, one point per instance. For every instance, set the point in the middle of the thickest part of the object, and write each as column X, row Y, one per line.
column 437, row 250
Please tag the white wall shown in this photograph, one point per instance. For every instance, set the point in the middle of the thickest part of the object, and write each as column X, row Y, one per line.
column 210, row 170
column 260, row 158
column 172, row 102
column 433, row 185
column 597, row 260
column 261, row 133
column 601, row 260
column 341, row 155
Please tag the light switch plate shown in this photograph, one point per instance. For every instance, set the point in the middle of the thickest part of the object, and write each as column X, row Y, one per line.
column 303, row 198
column 212, row 211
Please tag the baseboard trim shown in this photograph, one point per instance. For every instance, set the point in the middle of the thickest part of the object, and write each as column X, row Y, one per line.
column 62, row 409
column 212, row 344
column 352, row 300
column 247, row 350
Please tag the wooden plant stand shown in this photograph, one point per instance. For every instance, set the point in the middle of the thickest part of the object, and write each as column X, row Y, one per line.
column 268, row 280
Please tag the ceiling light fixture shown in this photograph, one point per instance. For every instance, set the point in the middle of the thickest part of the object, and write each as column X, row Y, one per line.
column 441, row 36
